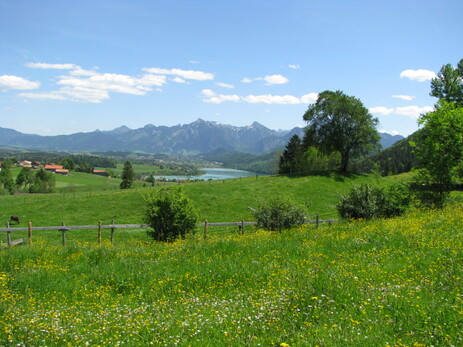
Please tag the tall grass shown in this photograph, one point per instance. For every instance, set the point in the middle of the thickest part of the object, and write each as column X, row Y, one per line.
column 390, row 282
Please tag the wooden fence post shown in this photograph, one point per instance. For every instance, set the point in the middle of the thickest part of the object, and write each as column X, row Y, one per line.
column 242, row 227
column 112, row 232
column 8, row 235
column 205, row 228
column 317, row 220
column 63, row 234
column 99, row 232
column 29, row 226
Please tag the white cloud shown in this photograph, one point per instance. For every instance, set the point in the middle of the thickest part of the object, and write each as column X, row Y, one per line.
column 309, row 98
column 409, row 111
column 404, row 97
column 15, row 82
column 212, row 97
column 272, row 99
column 413, row 111
column 419, row 75
column 294, row 66
column 275, row 79
column 270, row 79
column 178, row 80
column 380, row 110
column 186, row 74
column 225, row 85
column 53, row 66
column 208, row 93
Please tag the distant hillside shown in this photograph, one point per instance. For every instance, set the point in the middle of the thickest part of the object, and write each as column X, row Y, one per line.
column 195, row 138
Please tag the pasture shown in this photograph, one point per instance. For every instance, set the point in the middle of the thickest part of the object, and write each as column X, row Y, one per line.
column 390, row 282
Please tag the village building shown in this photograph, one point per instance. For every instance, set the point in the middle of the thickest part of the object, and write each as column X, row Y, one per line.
column 53, row 168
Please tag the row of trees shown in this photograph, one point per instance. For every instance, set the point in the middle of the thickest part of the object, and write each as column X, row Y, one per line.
column 28, row 180
column 340, row 129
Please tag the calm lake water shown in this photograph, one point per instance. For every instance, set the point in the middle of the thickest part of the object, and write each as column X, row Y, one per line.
column 213, row 174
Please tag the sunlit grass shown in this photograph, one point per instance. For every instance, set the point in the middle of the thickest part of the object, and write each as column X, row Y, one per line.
column 390, row 282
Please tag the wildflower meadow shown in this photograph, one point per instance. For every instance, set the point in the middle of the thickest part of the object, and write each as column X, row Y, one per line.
column 395, row 282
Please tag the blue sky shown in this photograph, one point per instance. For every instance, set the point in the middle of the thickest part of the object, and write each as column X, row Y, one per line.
column 71, row 66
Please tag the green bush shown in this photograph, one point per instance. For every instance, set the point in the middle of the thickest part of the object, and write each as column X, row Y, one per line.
column 368, row 202
column 279, row 213
column 170, row 213
column 427, row 193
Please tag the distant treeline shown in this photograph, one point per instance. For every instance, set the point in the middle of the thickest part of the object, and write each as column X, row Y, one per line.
column 50, row 157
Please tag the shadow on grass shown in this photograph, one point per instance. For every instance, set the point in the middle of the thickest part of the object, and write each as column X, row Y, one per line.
column 337, row 176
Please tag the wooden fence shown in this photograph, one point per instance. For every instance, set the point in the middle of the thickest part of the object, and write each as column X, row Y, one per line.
column 64, row 229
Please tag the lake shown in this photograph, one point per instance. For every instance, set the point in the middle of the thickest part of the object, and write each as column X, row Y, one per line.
column 213, row 174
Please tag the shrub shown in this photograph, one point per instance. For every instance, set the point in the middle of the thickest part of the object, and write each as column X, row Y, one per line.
column 170, row 213
column 428, row 193
column 279, row 213
column 367, row 202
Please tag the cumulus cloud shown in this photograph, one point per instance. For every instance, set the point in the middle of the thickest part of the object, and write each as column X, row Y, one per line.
column 275, row 79
column 186, row 74
column 81, row 85
column 309, row 98
column 178, row 80
column 294, row 66
column 270, row 79
column 76, row 94
column 15, row 82
column 225, row 85
column 404, row 97
column 419, row 75
column 212, row 97
column 409, row 111
column 53, row 66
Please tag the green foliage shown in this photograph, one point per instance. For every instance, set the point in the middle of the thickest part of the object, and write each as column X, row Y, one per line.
column 427, row 192
column 340, row 123
column 291, row 158
column 68, row 163
column 25, row 178
column 367, row 202
column 44, row 182
column 440, row 146
column 127, row 175
column 6, row 179
column 279, row 213
column 170, row 213
column 448, row 85
column 85, row 167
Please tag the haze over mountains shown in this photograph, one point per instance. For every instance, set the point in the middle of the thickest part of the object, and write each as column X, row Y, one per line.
column 198, row 137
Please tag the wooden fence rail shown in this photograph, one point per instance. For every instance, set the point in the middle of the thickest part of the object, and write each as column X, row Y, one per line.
column 64, row 228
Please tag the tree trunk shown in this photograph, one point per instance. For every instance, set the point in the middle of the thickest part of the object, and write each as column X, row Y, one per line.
column 344, row 162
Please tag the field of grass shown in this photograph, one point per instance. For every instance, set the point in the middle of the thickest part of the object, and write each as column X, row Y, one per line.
column 216, row 201
column 390, row 282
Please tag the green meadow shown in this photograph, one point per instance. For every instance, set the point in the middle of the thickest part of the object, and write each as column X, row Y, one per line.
column 394, row 282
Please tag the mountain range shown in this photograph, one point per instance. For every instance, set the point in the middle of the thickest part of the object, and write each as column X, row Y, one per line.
column 198, row 137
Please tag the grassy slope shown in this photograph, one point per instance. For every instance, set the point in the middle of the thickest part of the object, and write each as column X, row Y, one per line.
column 216, row 201
column 383, row 283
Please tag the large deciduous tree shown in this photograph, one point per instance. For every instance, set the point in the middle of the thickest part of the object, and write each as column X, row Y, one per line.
column 448, row 85
column 340, row 123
